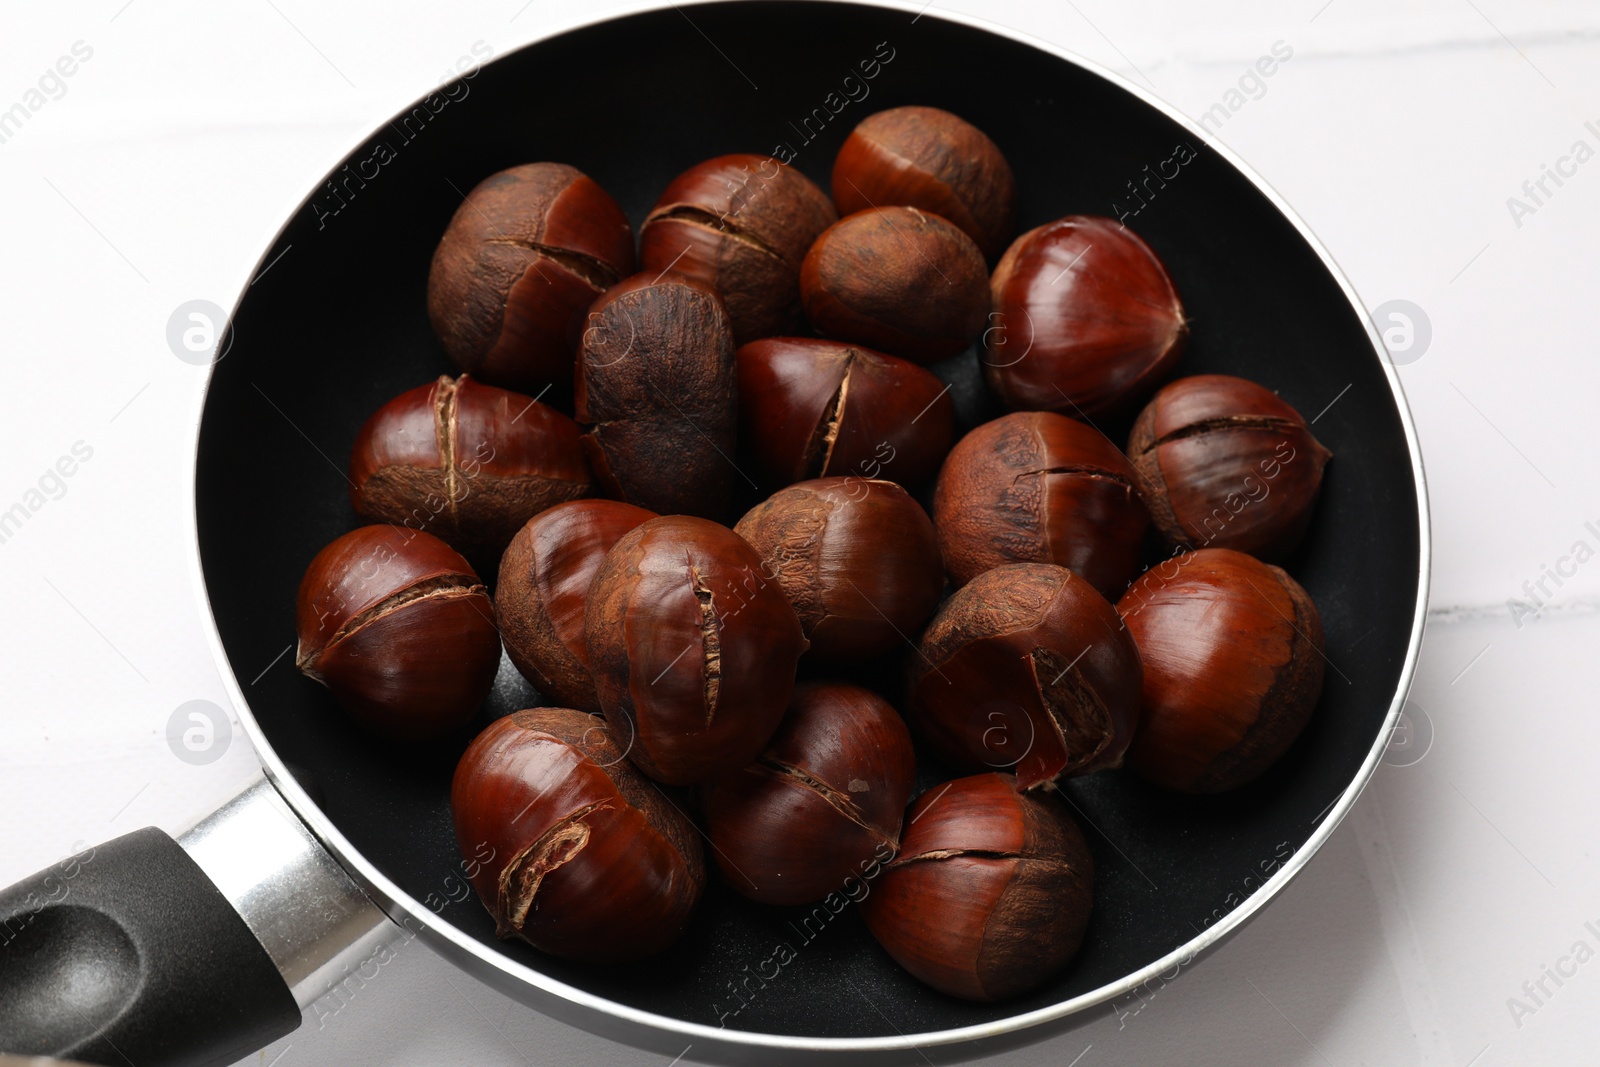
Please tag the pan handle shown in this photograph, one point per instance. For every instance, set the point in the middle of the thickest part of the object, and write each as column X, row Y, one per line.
column 180, row 953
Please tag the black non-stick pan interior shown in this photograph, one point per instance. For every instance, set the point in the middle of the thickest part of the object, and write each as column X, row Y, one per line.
column 337, row 325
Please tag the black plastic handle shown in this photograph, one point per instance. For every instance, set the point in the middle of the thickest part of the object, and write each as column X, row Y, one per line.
column 126, row 955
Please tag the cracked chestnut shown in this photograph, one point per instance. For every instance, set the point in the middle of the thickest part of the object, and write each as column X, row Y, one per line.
column 397, row 624
column 1027, row 669
column 1224, row 463
column 693, row 648
column 466, row 462
column 742, row 225
column 544, row 582
column 1085, row 319
column 657, row 395
column 528, row 250
column 814, row 408
column 857, row 558
column 991, row 892
column 575, row 852
column 1233, row 663
column 1037, row 487
column 821, row 806
column 898, row 279
column 930, row 159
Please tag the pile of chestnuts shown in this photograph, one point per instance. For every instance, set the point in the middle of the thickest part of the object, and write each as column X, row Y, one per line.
column 710, row 660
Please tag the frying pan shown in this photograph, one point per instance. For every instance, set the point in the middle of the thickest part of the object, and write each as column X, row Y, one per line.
column 200, row 951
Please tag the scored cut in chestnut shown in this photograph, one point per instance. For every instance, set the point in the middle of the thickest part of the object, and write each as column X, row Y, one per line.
column 930, row 159
column 857, row 558
column 821, row 805
column 1037, row 487
column 397, row 624
column 692, row 648
column 814, row 408
column 742, row 225
column 1085, row 319
column 528, row 250
column 1026, row 668
column 1233, row 664
column 587, row 858
column 991, row 892
column 543, row 586
column 899, row 279
column 657, row 395
column 466, row 462
column 1224, row 463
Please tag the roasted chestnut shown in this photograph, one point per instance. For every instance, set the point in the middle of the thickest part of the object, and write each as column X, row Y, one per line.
column 1026, row 668
column 741, row 224
column 810, row 408
column 693, row 648
column 1037, row 487
column 569, row 847
column 1085, row 319
column 466, row 462
column 857, row 558
column 1232, row 652
column 544, row 582
column 399, row 627
column 1224, row 463
column 656, row 393
column 821, row 806
column 899, row 279
column 991, row 892
column 930, row 159
column 527, row 251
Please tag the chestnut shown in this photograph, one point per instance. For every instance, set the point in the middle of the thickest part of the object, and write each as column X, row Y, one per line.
column 741, row 224
column 1085, row 319
column 810, row 408
column 1224, row 463
column 1026, row 667
column 656, row 394
column 930, row 159
column 692, row 647
column 1232, row 652
column 857, row 558
column 586, row 858
column 822, row 805
column 527, row 251
column 465, row 461
column 899, row 279
column 991, row 892
column 399, row 627
column 1037, row 487
column 544, row 582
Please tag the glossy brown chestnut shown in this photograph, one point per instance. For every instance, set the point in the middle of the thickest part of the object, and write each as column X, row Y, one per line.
column 1037, row 487
column 898, row 279
column 1223, row 463
column 857, row 558
column 991, row 892
column 657, row 395
column 811, row 408
column 1085, row 319
column 569, row 847
column 1027, row 668
column 528, row 250
column 544, row 582
column 693, row 649
column 742, row 225
column 821, row 806
column 1232, row 651
column 399, row 627
column 930, row 159
column 466, row 462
